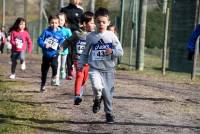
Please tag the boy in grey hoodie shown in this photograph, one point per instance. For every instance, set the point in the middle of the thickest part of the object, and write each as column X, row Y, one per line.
column 102, row 47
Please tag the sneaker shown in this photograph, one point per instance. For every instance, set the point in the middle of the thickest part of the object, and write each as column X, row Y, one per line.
column 55, row 82
column 23, row 66
column 77, row 100
column 69, row 78
column 63, row 75
column 12, row 76
column 42, row 88
column 110, row 118
column 96, row 106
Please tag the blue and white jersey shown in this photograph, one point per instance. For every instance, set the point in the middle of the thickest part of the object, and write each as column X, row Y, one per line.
column 98, row 50
column 94, row 53
column 51, row 38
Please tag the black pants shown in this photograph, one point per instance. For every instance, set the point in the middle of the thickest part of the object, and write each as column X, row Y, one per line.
column 46, row 63
column 2, row 47
column 69, row 64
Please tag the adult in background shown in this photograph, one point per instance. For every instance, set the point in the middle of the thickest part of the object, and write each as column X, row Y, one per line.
column 73, row 13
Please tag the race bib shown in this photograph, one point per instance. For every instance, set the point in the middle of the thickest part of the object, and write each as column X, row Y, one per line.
column 99, row 54
column 52, row 43
column 99, row 51
column 80, row 46
column 19, row 43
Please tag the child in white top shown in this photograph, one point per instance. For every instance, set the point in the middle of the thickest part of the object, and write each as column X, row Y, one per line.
column 101, row 48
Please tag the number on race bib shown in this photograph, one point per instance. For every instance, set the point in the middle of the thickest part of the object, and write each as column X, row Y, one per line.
column 52, row 42
column 101, row 53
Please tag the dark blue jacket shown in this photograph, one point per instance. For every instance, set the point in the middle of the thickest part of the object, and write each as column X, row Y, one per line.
column 193, row 38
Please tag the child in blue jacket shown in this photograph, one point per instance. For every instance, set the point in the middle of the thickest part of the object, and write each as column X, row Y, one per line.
column 50, row 41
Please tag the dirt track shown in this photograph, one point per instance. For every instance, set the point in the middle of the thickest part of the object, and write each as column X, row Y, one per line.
column 142, row 105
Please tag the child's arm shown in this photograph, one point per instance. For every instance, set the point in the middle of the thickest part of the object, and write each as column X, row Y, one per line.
column 193, row 38
column 69, row 42
column 12, row 39
column 29, row 42
column 41, row 39
column 117, row 50
column 192, row 41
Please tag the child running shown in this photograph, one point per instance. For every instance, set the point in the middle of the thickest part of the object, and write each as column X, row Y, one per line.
column 2, row 39
column 50, row 41
column 63, row 54
column 79, row 40
column 101, row 48
column 19, row 38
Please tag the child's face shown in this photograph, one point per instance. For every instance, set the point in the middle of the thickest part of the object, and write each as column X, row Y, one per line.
column 22, row 25
column 61, row 20
column 102, row 23
column 54, row 23
column 89, row 27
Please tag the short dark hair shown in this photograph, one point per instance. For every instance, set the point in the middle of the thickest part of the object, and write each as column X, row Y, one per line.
column 51, row 17
column 87, row 17
column 101, row 11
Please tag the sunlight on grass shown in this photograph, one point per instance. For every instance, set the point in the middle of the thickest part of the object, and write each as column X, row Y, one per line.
column 18, row 114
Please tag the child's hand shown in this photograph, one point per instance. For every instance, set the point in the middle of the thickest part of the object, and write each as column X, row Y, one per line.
column 108, row 51
column 47, row 45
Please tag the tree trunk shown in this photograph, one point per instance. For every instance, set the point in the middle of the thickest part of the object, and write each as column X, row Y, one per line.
column 92, row 5
column 142, row 31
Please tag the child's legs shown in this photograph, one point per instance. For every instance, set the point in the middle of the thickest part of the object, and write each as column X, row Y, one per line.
column 1, row 47
column 63, row 62
column 78, row 82
column 14, row 57
column 69, row 64
column 54, row 66
column 22, row 56
column 108, row 90
column 97, row 84
column 58, row 68
column 85, row 73
column 44, row 69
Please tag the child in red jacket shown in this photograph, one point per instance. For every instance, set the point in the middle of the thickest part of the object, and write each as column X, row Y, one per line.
column 19, row 38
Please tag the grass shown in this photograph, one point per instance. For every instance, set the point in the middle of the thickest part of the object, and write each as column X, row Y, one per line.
column 153, row 68
column 18, row 114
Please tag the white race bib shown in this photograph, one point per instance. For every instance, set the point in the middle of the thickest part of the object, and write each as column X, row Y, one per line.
column 80, row 46
column 19, row 43
column 98, row 54
column 52, row 43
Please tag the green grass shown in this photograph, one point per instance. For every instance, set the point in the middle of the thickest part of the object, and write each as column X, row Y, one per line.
column 153, row 68
column 19, row 114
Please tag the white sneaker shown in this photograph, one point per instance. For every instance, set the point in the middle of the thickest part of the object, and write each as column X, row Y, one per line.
column 55, row 82
column 12, row 76
column 23, row 66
